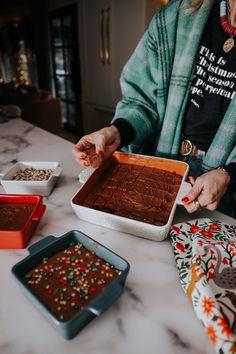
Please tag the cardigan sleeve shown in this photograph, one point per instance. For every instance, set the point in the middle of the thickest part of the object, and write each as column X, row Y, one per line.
column 145, row 79
column 231, row 169
column 126, row 132
column 138, row 85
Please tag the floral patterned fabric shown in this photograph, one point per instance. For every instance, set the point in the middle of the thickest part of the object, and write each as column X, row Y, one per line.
column 205, row 254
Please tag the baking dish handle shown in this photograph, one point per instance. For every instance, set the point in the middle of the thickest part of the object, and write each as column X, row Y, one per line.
column 39, row 212
column 57, row 171
column 185, row 188
column 107, row 300
column 85, row 174
column 36, row 247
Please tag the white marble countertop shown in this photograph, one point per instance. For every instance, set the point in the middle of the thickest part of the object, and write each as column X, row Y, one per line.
column 152, row 316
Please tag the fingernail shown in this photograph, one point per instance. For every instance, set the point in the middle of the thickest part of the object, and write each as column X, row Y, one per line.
column 83, row 156
column 185, row 200
column 101, row 153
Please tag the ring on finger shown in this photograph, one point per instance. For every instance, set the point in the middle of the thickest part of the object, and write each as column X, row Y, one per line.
column 197, row 204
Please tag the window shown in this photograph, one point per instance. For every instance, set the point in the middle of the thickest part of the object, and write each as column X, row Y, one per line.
column 66, row 68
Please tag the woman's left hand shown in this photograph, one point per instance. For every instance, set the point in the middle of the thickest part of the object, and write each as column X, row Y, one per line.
column 207, row 190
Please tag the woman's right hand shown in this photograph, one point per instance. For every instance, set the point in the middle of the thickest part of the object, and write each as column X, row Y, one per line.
column 91, row 149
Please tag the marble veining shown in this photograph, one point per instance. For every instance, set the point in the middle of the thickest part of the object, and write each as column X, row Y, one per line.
column 153, row 316
column 9, row 147
column 176, row 339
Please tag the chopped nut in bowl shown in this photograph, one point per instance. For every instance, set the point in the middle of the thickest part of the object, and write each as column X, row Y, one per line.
column 31, row 177
column 33, row 174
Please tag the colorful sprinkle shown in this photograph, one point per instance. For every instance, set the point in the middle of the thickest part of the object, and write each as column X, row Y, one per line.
column 67, row 281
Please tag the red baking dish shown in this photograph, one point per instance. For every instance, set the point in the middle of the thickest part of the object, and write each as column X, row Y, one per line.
column 19, row 217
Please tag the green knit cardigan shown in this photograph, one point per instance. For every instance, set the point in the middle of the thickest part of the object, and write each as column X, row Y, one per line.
column 156, row 82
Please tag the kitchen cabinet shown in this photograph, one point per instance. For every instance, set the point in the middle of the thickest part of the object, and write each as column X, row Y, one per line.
column 109, row 31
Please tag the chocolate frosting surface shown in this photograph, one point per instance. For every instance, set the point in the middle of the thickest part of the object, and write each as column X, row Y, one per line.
column 13, row 216
column 135, row 192
column 69, row 280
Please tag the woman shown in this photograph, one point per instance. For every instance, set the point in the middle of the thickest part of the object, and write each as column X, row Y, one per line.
column 178, row 100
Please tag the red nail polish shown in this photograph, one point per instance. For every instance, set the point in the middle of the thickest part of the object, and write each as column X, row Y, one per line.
column 101, row 153
column 83, row 156
column 185, row 200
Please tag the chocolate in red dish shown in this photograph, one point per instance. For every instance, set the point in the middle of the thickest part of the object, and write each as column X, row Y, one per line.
column 136, row 192
column 13, row 216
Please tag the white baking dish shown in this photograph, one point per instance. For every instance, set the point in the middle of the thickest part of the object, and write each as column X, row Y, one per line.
column 138, row 228
column 43, row 188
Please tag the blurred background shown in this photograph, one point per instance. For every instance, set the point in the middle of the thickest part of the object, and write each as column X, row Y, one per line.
column 60, row 60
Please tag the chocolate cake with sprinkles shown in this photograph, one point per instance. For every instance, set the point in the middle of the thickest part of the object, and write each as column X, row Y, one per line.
column 69, row 280
column 136, row 192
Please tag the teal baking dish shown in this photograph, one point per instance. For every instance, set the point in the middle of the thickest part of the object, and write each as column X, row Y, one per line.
column 37, row 264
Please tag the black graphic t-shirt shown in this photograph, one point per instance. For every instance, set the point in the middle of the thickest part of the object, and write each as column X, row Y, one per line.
column 213, row 85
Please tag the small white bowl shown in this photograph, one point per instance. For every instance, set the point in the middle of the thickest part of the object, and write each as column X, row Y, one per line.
column 43, row 188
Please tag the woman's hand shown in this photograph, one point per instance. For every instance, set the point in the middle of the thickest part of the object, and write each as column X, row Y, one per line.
column 91, row 149
column 207, row 190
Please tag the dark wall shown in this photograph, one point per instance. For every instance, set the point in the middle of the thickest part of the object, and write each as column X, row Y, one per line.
column 40, row 31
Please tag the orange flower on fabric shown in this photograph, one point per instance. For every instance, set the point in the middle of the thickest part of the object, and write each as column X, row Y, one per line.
column 212, row 334
column 194, row 229
column 208, row 305
column 206, row 233
column 214, row 227
column 225, row 327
